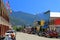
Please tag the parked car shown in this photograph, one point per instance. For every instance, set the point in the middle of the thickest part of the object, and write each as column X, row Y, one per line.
column 11, row 33
column 51, row 34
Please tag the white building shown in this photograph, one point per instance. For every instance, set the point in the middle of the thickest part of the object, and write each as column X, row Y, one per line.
column 55, row 21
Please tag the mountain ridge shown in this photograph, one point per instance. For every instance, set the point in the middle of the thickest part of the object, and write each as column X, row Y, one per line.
column 23, row 18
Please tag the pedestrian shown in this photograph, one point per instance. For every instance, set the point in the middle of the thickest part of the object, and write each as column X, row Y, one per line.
column 13, row 36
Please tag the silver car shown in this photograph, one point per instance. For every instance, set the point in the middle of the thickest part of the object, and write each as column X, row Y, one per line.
column 10, row 32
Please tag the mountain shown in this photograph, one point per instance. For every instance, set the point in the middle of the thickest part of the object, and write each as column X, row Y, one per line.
column 23, row 18
column 20, row 18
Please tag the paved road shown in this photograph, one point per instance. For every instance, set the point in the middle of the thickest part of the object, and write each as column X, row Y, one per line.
column 24, row 36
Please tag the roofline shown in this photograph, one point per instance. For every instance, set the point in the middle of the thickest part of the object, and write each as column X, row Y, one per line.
column 54, row 14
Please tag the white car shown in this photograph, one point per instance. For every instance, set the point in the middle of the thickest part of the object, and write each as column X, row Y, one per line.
column 10, row 32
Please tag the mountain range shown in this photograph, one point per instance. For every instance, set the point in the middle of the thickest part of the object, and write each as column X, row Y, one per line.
column 23, row 18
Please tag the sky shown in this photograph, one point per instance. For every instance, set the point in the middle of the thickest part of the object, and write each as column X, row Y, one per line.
column 35, row 6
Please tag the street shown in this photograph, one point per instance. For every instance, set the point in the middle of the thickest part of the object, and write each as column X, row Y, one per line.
column 25, row 36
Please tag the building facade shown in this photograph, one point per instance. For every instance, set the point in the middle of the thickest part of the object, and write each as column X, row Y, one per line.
column 54, row 21
column 4, row 19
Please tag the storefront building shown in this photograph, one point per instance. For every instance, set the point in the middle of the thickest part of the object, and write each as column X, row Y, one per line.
column 54, row 21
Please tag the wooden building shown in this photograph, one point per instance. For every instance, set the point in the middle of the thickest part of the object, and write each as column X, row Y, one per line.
column 4, row 20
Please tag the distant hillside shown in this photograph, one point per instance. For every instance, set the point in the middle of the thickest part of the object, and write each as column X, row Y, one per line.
column 22, row 18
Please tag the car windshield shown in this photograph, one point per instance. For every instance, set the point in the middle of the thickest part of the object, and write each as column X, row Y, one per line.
column 10, row 31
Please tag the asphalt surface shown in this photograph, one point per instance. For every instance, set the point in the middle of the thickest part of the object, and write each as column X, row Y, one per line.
column 25, row 36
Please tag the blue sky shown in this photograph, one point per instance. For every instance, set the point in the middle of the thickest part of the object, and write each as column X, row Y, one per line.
column 35, row 6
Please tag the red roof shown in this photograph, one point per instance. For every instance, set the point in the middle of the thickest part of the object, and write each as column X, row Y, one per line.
column 57, row 21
